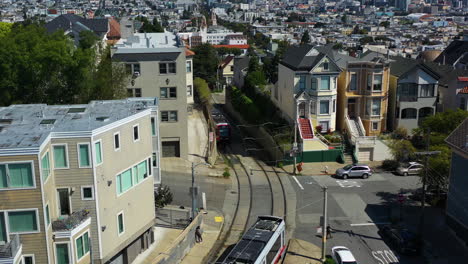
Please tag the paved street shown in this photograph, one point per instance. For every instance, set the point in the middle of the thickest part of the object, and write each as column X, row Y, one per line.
column 354, row 207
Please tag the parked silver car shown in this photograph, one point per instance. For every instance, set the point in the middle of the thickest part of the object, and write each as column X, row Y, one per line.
column 412, row 168
column 354, row 170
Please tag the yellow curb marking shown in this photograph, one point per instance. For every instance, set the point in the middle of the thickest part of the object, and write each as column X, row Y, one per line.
column 218, row 219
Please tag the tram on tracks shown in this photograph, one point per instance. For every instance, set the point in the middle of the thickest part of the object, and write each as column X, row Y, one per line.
column 223, row 128
column 263, row 243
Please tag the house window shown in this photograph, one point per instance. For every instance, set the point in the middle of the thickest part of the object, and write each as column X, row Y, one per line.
column 409, row 113
column 376, row 106
column 155, row 160
column 132, row 68
column 302, row 83
column 232, row 68
column 168, row 92
column 134, row 92
column 153, row 126
column 334, row 105
column 83, row 156
column 117, row 141
column 325, row 83
column 369, row 82
column 28, row 259
column 377, row 85
column 16, row 175
column 140, row 171
column 168, row 116
column 124, row 181
column 375, row 126
column 136, row 133
column 150, row 169
column 167, row 67
column 324, row 125
column 47, row 215
column 427, row 90
column 313, row 107
column 23, row 221
column 98, row 150
column 82, row 246
column 87, row 193
column 325, row 107
column 325, row 66
column 314, row 83
column 353, row 82
column 120, row 223
column 60, row 157
column 45, row 164
column 188, row 65
column 189, row 90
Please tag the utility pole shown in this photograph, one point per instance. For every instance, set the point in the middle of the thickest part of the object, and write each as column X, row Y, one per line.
column 324, row 227
column 426, row 155
column 294, row 149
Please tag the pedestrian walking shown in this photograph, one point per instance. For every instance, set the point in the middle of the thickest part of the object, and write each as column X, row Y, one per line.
column 198, row 235
column 329, row 232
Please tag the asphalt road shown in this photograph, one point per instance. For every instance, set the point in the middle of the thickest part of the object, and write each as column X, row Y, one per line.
column 356, row 207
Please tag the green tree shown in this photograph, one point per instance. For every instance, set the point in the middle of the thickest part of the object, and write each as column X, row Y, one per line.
column 385, row 24
column 5, row 28
column 202, row 90
column 402, row 150
column 338, row 46
column 366, row 40
column 305, row 38
column 205, row 63
column 162, row 196
column 344, row 19
column 87, row 39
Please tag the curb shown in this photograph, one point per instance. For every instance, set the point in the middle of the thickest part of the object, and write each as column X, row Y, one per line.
column 207, row 257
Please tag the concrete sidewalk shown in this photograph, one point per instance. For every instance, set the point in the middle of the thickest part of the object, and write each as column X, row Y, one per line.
column 212, row 224
column 163, row 239
column 302, row 252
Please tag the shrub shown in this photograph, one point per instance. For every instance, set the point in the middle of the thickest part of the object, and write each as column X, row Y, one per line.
column 226, row 173
column 280, row 165
column 390, row 165
column 318, row 128
column 162, row 196
column 400, row 133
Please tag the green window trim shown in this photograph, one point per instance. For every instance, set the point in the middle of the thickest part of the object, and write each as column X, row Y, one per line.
column 82, row 245
column 17, row 175
column 45, row 164
column 84, row 160
column 98, row 149
column 23, row 221
column 60, row 156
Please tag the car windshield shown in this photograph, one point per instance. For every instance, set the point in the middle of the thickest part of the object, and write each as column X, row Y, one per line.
column 347, row 167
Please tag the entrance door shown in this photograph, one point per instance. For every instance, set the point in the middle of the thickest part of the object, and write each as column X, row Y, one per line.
column 302, row 110
column 3, row 234
column 63, row 256
column 64, row 201
column 352, row 108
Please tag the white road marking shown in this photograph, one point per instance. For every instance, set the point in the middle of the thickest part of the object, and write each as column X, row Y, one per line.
column 298, row 183
column 369, row 224
column 386, row 257
column 348, row 184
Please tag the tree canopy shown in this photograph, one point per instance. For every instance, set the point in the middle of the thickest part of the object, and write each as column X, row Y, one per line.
column 149, row 27
column 36, row 67
column 305, row 38
column 5, row 28
column 205, row 63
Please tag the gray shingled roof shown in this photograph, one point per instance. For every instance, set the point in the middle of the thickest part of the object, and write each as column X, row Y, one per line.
column 459, row 137
column 76, row 24
column 296, row 59
column 453, row 52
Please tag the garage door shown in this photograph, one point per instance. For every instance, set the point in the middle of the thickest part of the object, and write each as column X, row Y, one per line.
column 365, row 154
column 170, row 149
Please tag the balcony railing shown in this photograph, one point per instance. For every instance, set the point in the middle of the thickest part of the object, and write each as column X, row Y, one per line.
column 70, row 222
column 407, row 98
column 10, row 249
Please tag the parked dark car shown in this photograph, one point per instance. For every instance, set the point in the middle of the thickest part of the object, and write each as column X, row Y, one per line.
column 402, row 240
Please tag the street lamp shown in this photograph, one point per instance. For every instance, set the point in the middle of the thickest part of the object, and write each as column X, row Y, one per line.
column 194, row 199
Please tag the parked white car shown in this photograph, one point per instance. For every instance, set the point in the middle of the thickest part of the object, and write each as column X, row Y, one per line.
column 342, row 255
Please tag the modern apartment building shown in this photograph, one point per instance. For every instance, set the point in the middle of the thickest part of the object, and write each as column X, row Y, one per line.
column 77, row 181
column 306, row 92
column 162, row 67
column 413, row 93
